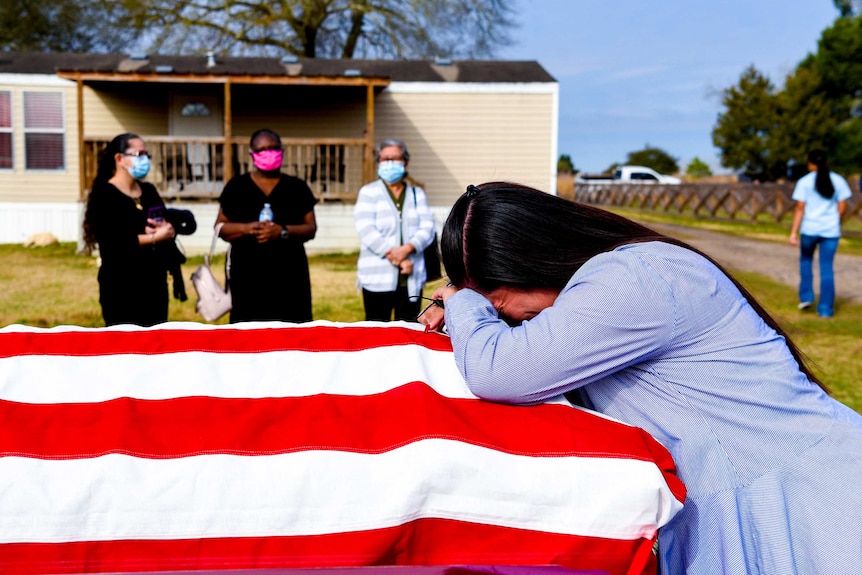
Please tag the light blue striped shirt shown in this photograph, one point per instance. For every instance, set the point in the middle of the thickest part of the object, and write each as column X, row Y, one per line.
column 656, row 336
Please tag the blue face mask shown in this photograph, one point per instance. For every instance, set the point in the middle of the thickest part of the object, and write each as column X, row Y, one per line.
column 140, row 167
column 391, row 171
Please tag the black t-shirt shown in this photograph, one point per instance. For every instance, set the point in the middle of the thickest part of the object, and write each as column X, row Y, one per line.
column 269, row 281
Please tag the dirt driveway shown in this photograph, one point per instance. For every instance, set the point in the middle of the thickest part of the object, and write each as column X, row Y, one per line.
column 779, row 261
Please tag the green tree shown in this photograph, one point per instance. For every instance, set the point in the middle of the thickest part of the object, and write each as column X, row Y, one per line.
column 847, row 8
column 745, row 131
column 64, row 25
column 838, row 62
column 565, row 165
column 807, row 117
column 654, row 158
column 330, row 28
column 697, row 168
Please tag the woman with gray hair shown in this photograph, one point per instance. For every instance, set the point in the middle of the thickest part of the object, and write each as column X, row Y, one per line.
column 394, row 225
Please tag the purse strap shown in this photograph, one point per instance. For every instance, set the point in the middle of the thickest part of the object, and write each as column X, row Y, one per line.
column 208, row 259
column 218, row 227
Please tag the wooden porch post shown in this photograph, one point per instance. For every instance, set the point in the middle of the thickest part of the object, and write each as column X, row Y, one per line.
column 228, row 134
column 82, row 181
column 368, row 160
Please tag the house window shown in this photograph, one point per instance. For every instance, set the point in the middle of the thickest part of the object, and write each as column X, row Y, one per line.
column 44, row 136
column 195, row 109
column 5, row 130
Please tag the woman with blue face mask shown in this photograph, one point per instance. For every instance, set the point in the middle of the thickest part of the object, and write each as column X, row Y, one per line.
column 125, row 217
column 395, row 225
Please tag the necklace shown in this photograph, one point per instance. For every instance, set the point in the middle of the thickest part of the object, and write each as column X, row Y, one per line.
column 138, row 203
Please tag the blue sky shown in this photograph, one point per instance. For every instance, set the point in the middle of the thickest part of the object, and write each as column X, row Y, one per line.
column 637, row 72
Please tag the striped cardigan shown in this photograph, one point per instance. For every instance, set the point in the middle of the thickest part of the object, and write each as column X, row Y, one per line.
column 381, row 228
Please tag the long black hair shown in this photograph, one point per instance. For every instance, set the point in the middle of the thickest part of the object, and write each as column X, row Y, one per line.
column 823, row 182
column 505, row 234
column 105, row 171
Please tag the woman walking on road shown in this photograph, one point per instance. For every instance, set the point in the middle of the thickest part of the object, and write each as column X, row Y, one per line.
column 821, row 200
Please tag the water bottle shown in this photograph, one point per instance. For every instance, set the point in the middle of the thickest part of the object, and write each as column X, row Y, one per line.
column 265, row 213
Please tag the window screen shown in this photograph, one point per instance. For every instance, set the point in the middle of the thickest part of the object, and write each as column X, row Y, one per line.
column 44, row 137
column 5, row 130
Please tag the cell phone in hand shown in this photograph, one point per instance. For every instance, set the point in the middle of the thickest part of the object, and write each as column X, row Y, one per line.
column 157, row 214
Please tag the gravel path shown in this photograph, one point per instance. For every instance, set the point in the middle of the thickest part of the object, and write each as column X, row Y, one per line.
column 776, row 260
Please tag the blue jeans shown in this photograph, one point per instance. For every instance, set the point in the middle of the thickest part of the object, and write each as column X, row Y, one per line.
column 828, row 247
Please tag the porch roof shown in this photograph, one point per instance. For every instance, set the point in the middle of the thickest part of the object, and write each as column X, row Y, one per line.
column 169, row 68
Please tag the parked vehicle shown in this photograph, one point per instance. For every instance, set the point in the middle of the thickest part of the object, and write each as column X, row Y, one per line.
column 628, row 175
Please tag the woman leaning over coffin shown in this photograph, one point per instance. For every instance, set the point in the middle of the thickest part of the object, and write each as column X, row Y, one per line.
column 553, row 297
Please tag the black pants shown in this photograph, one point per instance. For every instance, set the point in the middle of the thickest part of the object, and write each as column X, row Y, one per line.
column 379, row 305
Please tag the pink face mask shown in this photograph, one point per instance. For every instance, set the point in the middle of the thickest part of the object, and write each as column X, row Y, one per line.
column 268, row 160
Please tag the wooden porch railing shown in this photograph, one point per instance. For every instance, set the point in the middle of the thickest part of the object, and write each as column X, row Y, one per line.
column 194, row 168
column 742, row 201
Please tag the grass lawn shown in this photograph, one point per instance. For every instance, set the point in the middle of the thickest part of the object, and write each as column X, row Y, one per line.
column 55, row 286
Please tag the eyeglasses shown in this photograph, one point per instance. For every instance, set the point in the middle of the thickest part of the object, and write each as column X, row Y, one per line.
column 398, row 159
column 138, row 154
column 437, row 302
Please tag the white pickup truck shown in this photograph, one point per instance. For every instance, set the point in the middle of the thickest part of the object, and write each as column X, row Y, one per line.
column 629, row 175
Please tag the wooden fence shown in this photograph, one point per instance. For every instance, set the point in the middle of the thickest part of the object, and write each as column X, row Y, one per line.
column 742, row 201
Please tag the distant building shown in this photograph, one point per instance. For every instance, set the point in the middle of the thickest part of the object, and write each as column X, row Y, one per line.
column 464, row 122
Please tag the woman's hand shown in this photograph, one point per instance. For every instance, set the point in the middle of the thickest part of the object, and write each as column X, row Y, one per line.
column 266, row 231
column 399, row 254
column 434, row 317
column 406, row 267
column 160, row 231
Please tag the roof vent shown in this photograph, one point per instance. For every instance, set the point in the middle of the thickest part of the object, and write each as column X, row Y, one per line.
column 164, row 69
column 290, row 59
column 443, row 61
column 352, row 72
column 210, row 59
column 138, row 56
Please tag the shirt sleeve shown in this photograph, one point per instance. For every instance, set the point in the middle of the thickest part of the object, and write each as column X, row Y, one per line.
column 842, row 188
column 305, row 197
column 116, row 229
column 799, row 190
column 615, row 313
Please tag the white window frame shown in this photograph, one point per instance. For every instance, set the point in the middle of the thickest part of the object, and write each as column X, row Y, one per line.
column 61, row 130
column 10, row 129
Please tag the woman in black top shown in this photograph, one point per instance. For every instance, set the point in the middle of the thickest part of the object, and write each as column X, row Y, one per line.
column 125, row 217
column 269, row 278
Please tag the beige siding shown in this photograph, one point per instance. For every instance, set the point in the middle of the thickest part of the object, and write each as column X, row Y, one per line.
column 37, row 186
column 114, row 108
column 457, row 139
column 299, row 112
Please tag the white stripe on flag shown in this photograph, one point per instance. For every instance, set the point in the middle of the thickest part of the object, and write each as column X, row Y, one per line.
column 46, row 379
column 315, row 492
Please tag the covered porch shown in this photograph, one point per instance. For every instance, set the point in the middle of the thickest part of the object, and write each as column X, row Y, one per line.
column 197, row 127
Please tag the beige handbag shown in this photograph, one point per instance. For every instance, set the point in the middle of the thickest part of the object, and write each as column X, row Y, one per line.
column 213, row 300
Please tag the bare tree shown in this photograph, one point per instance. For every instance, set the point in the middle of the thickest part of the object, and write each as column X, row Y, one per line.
column 328, row 28
column 64, row 25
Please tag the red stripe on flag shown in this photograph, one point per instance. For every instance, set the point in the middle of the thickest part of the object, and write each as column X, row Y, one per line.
column 149, row 342
column 412, row 412
column 421, row 542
